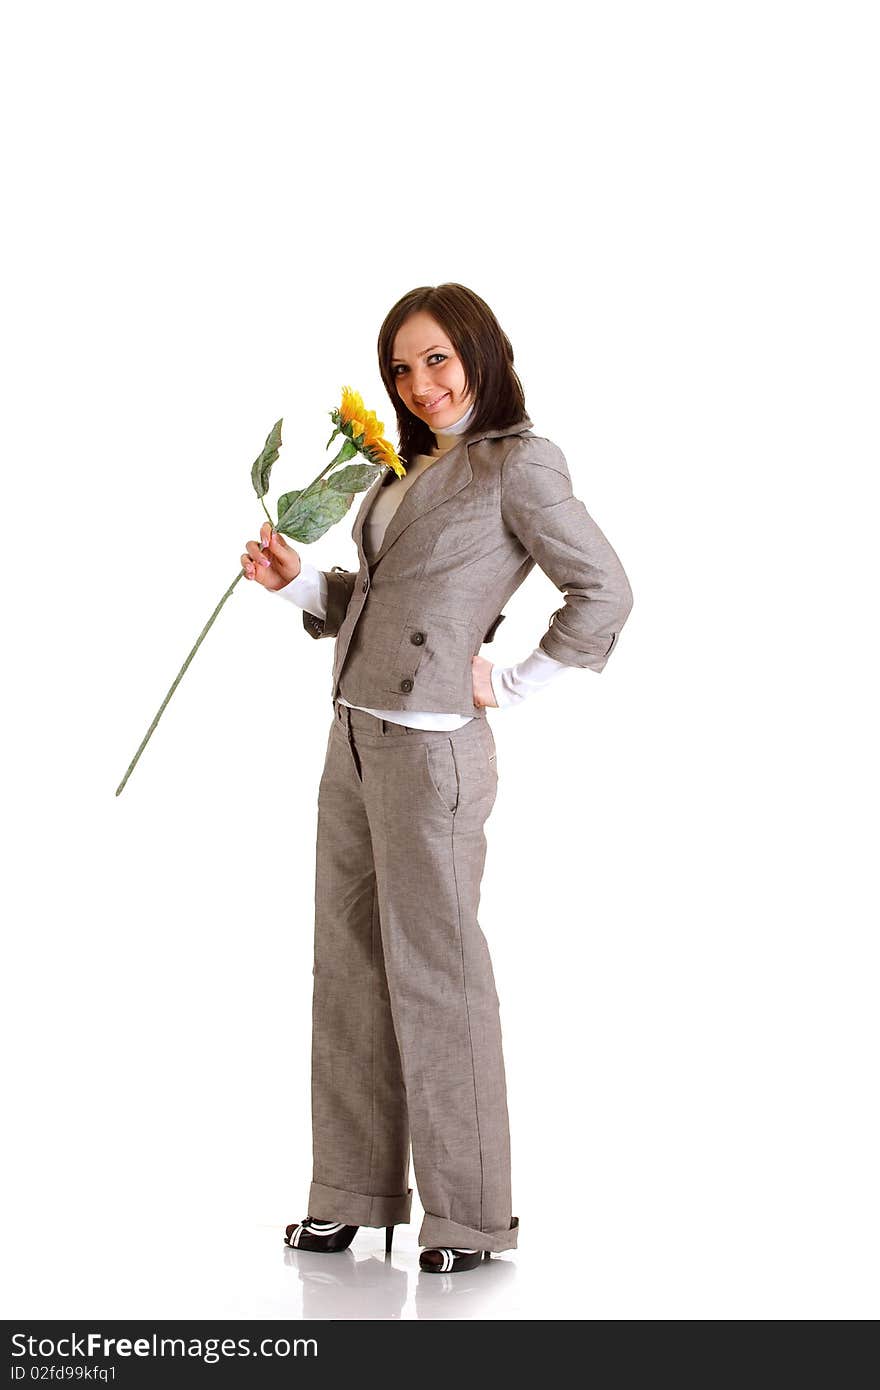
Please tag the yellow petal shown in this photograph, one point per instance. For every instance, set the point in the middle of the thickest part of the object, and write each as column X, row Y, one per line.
column 367, row 429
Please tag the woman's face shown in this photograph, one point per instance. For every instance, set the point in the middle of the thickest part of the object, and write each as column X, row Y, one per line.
column 429, row 373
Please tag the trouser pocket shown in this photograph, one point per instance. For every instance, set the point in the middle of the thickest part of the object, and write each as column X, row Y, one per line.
column 443, row 773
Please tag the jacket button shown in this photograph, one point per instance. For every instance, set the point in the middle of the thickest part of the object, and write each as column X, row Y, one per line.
column 406, row 684
column 417, row 638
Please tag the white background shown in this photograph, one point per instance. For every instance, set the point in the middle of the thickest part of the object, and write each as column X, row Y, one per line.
column 673, row 211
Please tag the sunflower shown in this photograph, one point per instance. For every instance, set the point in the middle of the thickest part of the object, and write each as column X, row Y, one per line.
column 366, row 431
column 306, row 514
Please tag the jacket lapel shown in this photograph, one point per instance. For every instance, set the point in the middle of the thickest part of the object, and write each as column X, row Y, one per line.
column 437, row 484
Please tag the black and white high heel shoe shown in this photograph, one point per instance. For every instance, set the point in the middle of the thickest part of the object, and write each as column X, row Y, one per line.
column 446, row 1260
column 326, row 1236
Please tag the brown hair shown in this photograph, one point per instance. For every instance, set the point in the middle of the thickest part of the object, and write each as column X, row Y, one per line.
column 486, row 356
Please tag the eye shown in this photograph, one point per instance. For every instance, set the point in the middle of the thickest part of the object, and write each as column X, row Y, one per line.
column 441, row 356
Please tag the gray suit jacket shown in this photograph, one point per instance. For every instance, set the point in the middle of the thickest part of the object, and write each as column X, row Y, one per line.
column 465, row 536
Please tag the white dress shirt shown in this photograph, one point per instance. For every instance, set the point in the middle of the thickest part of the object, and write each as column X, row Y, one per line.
column 510, row 684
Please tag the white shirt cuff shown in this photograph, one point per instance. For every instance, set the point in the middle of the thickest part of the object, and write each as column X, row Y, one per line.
column 513, row 684
column 308, row 590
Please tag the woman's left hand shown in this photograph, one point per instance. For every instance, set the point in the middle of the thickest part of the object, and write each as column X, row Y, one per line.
column 484, row 695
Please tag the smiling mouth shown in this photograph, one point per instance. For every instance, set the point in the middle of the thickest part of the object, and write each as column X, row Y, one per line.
column 432, row 405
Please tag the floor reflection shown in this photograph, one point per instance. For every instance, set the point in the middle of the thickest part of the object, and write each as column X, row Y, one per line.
column 466, row 1295
column 344, row 1285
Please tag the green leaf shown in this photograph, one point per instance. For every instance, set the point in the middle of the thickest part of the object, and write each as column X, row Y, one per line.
column 348, row 451
column 314, row 512
column 356, row 478
column 263, row 465
column 286, row 501
column 289, row 508
column 293, row 505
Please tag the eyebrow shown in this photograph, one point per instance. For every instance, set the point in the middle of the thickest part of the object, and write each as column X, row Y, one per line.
column 423, row 354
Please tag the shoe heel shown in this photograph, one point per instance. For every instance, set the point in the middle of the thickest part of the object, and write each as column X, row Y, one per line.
column 389, row 1233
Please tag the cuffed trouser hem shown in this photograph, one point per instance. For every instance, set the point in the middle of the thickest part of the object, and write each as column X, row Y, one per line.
column 358, row 1208
column 436, row 1232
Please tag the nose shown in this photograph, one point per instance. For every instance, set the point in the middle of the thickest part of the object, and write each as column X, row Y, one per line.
column 425, row 391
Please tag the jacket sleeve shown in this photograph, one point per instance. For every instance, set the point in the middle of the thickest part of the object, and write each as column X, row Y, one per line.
column 340, row 587
column 539, row 507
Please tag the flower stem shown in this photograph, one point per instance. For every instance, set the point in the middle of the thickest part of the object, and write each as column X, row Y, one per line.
column 177, row 680
column 205, row 630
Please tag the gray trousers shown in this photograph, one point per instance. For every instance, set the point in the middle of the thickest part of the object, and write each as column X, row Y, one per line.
column 406, row 1037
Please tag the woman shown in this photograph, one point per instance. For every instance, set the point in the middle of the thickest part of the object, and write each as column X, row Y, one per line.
column 406, row 1038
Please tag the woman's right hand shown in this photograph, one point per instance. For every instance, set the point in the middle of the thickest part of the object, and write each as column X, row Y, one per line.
column 272, row 566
